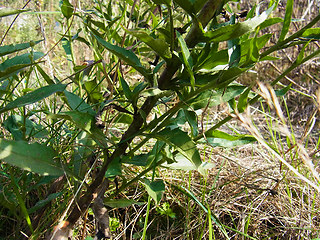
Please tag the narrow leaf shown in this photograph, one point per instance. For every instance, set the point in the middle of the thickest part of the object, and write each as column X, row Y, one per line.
column 31, row 157
column 287, row 20
column 7, row 49
column 221, row 139
column 243, row 100
column 121, row 203
column 126, row 55
column 16, row 64
column 34, row 96
column 160, row 46
column 187, row 59
column 7, row 11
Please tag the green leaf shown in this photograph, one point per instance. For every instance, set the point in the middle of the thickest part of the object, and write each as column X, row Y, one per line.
column 126, row 55
column 44, row 202
column 192, row 119
column 31, row 157
column 126, row 88
column 283, row 91
column 214, row 98
column 270, row 22
column 221, row 139
column 66, row 44
column 7, row 49
column 191, row 6
column 44, row 75
column 121, row 203
column 182, row 163
column 86, row 122
column 114, row 168
column 243, row 100
column 312, row 33
column 34, row 96
column 14, row 124
column 236, row 30
column 159, row 2
column 67, row 9
column 301, row 53
column 160, row 46
column 7, row 11
column 287, row 20
column 213, row 60
column 182, row 142
column 77, row 103
column 155, row 189
column 16, row 64
column 187, row 59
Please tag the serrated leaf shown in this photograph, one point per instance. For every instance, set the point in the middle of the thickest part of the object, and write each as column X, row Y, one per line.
column 67, row 9
column 287, row 20
column 8, row 11
column 31, row 157
column 160, row 46
column 155, row 189
column 121, row 203
column 34, row 96
column 236, row 30
column 16, row 64
column 126, row 55
column 182, row 142
column 7, row 49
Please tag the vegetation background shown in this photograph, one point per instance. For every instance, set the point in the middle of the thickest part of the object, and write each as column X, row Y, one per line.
column 247, row 192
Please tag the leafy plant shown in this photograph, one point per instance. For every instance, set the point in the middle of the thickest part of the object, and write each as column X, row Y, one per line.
column 155, row 65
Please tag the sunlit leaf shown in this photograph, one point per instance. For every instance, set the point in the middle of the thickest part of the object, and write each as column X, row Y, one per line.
column 287, row 20
column 182, row 142
column 31, row 157
column 236, row 30
column 7, row 11
column 67, row 9
column 155, row 189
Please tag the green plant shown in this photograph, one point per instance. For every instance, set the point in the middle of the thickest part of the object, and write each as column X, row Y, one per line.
column 99, row 120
